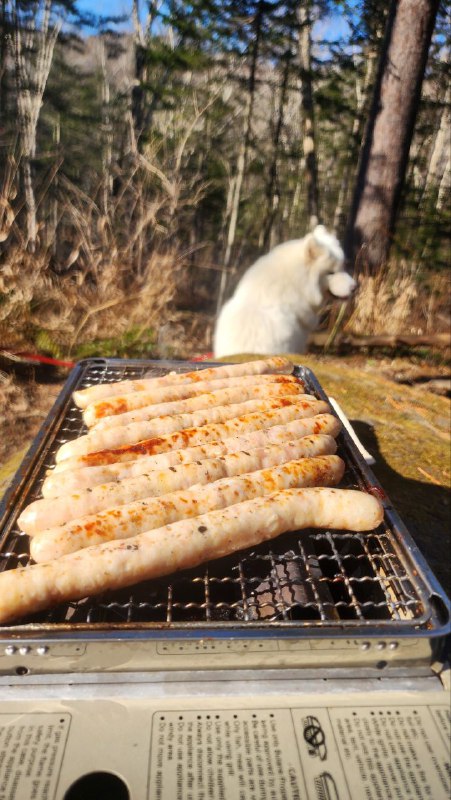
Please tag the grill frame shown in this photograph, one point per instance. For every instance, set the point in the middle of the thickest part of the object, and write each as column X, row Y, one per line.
column 425, row 592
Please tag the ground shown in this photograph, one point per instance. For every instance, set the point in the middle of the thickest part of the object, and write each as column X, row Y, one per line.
column 406, row 429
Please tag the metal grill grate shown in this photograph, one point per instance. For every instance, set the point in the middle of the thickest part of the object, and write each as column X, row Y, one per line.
column 314, row 579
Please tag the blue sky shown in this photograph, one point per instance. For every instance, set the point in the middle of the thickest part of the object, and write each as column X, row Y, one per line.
column 327, row 29
column 106, row 8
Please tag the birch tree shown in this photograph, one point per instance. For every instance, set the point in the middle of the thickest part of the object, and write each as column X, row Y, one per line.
column 35, row 32
column 308, row 117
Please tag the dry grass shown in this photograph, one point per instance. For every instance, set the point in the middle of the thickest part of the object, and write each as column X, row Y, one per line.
column 395, row 302
column 73, row 308
column 106, row 268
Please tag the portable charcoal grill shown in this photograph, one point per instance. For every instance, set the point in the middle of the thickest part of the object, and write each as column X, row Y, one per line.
column 234, row 649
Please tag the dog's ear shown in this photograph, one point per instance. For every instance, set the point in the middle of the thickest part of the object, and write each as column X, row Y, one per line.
column 313, row 249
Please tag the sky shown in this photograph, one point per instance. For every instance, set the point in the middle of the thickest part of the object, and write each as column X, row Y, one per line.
column 106, row 8
column 333, row 27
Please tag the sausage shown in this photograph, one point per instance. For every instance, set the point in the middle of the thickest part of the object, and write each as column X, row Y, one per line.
column 84, row 397
column 221, row 397
column 260, row 421
column 42, row 514
column 138, row 431
column 120, row 404
column 58, row 483
column 182, row 545
column 133, row 518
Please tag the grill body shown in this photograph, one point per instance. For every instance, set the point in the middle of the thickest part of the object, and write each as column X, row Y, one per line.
column 336, row 600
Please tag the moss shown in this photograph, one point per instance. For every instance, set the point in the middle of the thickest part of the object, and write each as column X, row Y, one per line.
column 411, row 425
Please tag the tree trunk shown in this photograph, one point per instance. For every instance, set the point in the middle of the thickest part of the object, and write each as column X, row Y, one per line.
column 242, row 157
column 308, row 118
column 362, row 93
column 107, row 138
column 445, row 186
column 273, row 188
column 137, row 90
column 4, row 35
column 440, row 148
column 32, row 49
column 234, row 201
column 389, row 132
column 30, row 204
column 142, row 33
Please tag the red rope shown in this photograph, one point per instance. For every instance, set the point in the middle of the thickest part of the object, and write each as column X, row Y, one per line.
column 41, row 359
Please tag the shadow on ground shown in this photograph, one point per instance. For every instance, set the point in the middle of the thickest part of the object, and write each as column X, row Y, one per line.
column 423, row 507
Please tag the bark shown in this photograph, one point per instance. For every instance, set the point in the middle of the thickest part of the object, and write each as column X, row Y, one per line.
column 441, row 146
column 137, row 90
column 233, row 202
column 4, row 34
column 107, row 143
column 308, row 117
column 445, row 186
column 142, row 36
column 52, row 224
column 292, row 214
column 273, row 186
column 30, row 203
column 362, row 92
column 33, row 53
column 389, row 132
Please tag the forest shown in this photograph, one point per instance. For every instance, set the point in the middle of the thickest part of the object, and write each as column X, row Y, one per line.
column 147, row 160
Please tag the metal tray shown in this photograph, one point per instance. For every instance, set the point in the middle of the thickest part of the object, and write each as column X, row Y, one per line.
column 320, row 582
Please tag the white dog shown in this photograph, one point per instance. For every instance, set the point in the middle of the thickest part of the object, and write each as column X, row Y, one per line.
column 276, row 303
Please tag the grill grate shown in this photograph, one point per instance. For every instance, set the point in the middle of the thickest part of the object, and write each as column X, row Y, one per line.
column 312, row 578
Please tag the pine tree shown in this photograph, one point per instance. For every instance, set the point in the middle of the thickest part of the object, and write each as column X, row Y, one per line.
column 389, row 131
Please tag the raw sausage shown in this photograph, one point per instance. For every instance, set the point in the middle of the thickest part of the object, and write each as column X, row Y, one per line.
column 221, row 397
column 138, row 431
column 260, row 421
column 133, row 518
column 57, row 483
column 42, row 514
column 182, row 545
column 84, row 397
column 120, row 404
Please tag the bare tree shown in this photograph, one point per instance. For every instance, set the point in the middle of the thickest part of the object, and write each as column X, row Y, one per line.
column 362, row 93
column 389, row 131
column 441, row 146
column 107, row 142
column 273, row 186
column 233, row 201
column 4, row 36
column 142, row 34
column 34, row 39
column 308, row 117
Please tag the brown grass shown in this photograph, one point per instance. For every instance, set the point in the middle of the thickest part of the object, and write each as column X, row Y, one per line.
column 105, row 266
column 396, row 301
column 73, row 308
